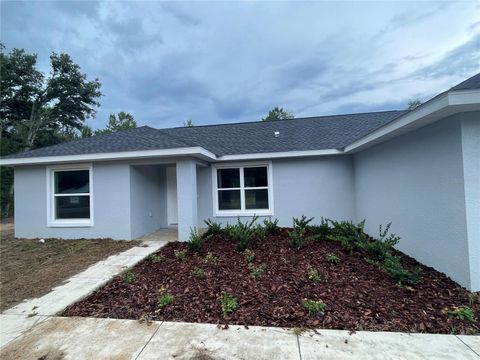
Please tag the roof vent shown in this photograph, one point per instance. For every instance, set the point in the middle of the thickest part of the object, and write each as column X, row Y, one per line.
column 276, row 133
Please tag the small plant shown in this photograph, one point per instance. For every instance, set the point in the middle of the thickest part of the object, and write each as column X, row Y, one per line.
column 322, row 231
column 198, row 273
column 271, row 226
column 155, row 258
column 249, row 255
column 257, row 271
column 259, row 232
column 460, row 312
column 301, row 223
column 210, row 259
column 313, row 275
column 393, row 266
column 297, row 331
column 347, row 233
column 213, row 228
column 474, row 298
column 180, row 254
column 164, row 299
column 297, row 238
column 314, row 307
column 195, row 241
column 242, row 233
column 228, row 303
column 332, row 258
column 129, row 277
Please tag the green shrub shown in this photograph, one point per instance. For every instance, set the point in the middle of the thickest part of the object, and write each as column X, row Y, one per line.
column 210, row 259
column 297, row 238
column 228, row 303
column 249, row 255
column 213, row 228
column 256, row 271
column 332, row 258
column 242, row 233
column 180, row 254
column 271, row 227
column 393, row 266
column 460, row 312
column 129, row 276
column 164, row 299
column 313, row 275
column 259, row 232
column 314, row 307
column 381, row 247
column 198, row 273
column 195, row 240
column 347, row 233
column 322, row 231
column 155, row 258
column 301, row 223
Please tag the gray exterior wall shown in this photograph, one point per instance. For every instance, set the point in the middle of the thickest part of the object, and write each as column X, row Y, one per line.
column 416, row 182
column 320, row 186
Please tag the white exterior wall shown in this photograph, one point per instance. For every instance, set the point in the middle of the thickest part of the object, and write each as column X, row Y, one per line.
column 319, row 186
column 416, row 182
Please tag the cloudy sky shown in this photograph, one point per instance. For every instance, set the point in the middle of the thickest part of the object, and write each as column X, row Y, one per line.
column 232, row 61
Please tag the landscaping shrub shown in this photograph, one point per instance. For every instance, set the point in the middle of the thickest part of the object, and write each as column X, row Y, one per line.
column 228, row 303
column 155, row 258
column 210, row 259
column 198, row 273
column 180, row 254
column 460, row 312
column 195, row 240
column 259, row 232
column 213, row 228
column 302, row 222
column 164, row 299
column 271, row 227
column 332, row 258
column 347, row 233
column 313, row 275
column 314, row 307
column 242, row 233
column 393, row 266
column 249, row 255
column 297, row 238
column 322, row 231
column 256, row 271
column 381, row 247
column 128, row 276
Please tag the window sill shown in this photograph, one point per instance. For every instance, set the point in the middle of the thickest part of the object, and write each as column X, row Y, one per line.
column 243, row 213
column 70, row 224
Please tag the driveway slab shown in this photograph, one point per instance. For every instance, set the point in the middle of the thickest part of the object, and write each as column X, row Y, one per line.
column 339, row 344
column 13, row 326
column 182, row 341
column 473, row 341
column 81, row 339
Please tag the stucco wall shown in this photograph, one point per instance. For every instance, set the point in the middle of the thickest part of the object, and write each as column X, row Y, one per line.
column 416, row 182
column 320, row 186
column 148, row 199
column 111, row 186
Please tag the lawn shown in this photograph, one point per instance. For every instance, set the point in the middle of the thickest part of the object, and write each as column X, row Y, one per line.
column 30, row 269
column 329, row 276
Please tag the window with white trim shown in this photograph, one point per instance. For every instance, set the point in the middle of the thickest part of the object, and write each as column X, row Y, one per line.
column 70, row 196
column 242, row 190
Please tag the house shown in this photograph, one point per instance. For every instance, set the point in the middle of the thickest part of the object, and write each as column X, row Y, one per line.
column 419, row 169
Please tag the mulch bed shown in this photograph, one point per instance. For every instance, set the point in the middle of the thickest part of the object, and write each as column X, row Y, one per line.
column 359, row 296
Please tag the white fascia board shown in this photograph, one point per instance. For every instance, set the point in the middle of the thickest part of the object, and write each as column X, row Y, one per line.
column 275, row 155
column 441, row 106
column 196, row 151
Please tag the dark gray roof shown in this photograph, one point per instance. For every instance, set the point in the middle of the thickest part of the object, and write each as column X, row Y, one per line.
column 469, row 84
column 314, row 133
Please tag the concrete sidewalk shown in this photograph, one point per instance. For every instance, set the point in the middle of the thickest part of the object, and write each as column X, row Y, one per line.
column 15, row 321
column 89, row 338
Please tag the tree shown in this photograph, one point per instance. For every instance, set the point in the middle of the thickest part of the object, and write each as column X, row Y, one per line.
column 413, row 104
column 86, row 131
column 121, row 121
column 188, row 123
column 278, row 114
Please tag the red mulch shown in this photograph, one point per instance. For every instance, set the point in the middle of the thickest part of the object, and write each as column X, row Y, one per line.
column 359, row 296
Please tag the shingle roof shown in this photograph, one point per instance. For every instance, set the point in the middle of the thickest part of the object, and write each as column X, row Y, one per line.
column 472, row 83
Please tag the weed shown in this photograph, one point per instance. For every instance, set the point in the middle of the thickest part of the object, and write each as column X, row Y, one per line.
column 332, row 258
column 297, row 331
column 155, row 258
column 195, row 241
column 213, row 228
column 460, row 312
column 314, row 307
column 257, row 271
column 198, row 273
column 228, row 303
column 313, row 275
column 180, row 254
column 210, row 259
column 249, row 255
column 128, row 276
column 271, row 226
column 164, row 299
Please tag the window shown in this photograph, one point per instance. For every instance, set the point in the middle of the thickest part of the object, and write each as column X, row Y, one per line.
column 243, row 190
column 70, row 196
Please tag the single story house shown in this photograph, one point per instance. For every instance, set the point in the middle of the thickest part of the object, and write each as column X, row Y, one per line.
column 418, row 169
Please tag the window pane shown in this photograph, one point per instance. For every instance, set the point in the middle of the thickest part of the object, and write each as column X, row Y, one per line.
column 256, row 199
column 72, row 207
column 71, row 182
column 255, row 177
column 229, row 200
column 228, row 178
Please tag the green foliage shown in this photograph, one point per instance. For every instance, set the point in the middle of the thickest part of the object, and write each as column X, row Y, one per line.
column 460, row 312
column 210, row 259
column 122, row 121
column 393, row 266
column 188, row 123
column 155, row 258
column 242, row 233
column 314, row 307
column 302, row 222
column 213, row 228
column 413, row 104
column 198, row 273
column 271, row 226
column 249, row 255
column 259, row 232
column 129, row 277
column 381, row 247
column 180, row 254
column 321, row 232
column 313, row 275
column 297, row 238
column 278, row 113
column 164, row 299
column 474, row 298
column 257, row 271
column 195, row 240
column 228, row 303
column 347, row 233
column 332, row 258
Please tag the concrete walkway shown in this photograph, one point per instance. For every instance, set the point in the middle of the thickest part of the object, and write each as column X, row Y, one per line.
column 89, row 338
column 15, row 321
